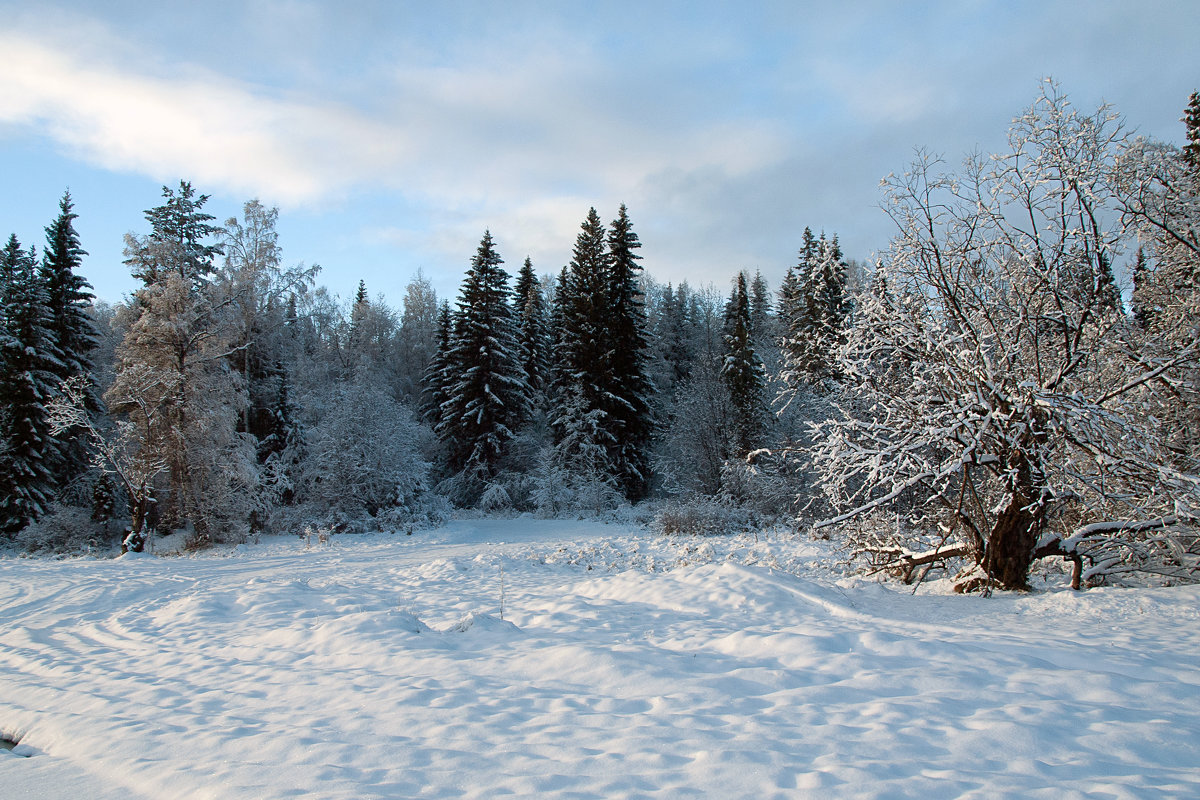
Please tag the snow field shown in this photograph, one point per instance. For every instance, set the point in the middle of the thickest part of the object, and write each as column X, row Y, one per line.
column 672, row 667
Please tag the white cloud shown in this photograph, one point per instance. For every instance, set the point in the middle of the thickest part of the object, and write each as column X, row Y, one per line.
column 210, row 129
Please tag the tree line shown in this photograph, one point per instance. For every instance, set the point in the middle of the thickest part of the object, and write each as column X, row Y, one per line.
column 1014, row 378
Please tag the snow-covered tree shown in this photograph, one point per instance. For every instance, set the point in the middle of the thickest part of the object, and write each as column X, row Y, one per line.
column 488, row 397
column 29, row 369
column 602, row 351
column 363, row 457
column 75, row 337
column 417, row 339
column 174, row 383
column 742, row 372
column 997, row 403
column 533, row 325
column 259, row 288
column 816, row 311
column 630, row 391
column 438, row 377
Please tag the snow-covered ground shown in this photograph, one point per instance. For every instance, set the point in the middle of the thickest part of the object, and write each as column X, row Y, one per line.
column 626, row 665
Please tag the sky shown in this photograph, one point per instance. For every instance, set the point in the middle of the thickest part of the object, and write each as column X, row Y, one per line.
column 392, row 134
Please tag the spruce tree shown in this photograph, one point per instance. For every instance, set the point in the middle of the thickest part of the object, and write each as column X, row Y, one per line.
column 533, row 325
column 631, row 389
column 818, row 306
column 179, row 230
column 29, row 366
column 74, row 334
column 585, row 353
column 438, row 377
column 1191, row 122
column 742, row 372
column 489, row 398
column 760, row 309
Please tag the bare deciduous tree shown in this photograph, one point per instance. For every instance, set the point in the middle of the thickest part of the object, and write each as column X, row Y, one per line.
column 999, row 403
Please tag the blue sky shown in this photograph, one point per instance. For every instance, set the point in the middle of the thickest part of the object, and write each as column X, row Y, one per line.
column 391, row 134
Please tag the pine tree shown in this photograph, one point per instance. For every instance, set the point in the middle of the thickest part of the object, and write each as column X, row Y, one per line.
column 73, row 332
column 631, row 389
column 29, row 365
column 533, row 329
column 489, row 398
column 742, row 372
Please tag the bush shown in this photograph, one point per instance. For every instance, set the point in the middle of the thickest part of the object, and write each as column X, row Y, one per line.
column 65, row 529
column 702, row 517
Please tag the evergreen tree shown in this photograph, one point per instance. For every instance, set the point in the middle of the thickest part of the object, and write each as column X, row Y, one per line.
column 1191, row 121
column 672, row 335
column 583, row 311
column 72, row 330
column 29, row 365
column 760, row 309
column 174, row 383
column 742, row 372
column 585, row 356
column 1143, row 303
column 179, row 230
column 629, row 395
column 489, row 397
column 818, row 307
column 533, row 329
column 789, row 303
column 438, row 377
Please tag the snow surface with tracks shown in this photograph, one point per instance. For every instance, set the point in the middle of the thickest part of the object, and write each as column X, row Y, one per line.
column 626, row 664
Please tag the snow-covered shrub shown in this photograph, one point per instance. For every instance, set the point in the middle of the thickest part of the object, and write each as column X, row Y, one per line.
column 65, row 529
column 702, row 516
column 495, row 499
column 552, row 493
column 565, row 487
column 363, row 456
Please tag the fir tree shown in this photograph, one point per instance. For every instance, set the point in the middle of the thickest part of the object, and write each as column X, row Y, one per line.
column 673, row 336
column 71, row 327
column 742, row 372
column 585, row 355
column 29, row 365
column 489, row 397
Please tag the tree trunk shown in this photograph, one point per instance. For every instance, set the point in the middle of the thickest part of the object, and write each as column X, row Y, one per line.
column 1011, row 544
column 1014, row 535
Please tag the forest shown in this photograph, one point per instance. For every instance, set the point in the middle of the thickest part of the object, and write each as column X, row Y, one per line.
column 1014, row 379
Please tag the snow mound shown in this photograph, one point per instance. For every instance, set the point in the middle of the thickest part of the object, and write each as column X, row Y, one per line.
column 477, row 622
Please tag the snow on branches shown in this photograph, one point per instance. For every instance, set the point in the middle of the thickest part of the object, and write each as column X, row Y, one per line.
column 996, row 391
